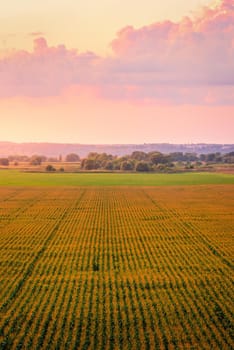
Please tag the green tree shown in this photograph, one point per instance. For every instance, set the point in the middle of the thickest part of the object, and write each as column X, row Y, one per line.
column 4, row 161
column 138, row 155
column 50, row 168
column 88, row 164
column 37, row 160
column 142, row 167
column 157, row 158
column 72, row 157
column 109, row 165
column 127, row 165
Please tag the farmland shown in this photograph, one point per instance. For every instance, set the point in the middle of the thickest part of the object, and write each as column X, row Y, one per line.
column 109, row 267
column 19, row 178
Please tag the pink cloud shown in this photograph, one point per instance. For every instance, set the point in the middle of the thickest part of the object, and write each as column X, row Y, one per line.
column 168, row 63
column 47, row 71
column 40, row 45
column 198, row 51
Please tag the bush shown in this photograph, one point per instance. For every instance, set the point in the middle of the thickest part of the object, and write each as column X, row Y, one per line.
column 50, row 168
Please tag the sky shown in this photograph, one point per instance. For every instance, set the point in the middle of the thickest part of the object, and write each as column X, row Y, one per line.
column 114, row 71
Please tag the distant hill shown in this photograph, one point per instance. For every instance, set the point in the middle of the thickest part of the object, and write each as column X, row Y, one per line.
column 56, row 149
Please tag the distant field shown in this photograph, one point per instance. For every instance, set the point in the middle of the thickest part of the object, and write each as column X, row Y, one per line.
column 16, row 178
column 116, row 267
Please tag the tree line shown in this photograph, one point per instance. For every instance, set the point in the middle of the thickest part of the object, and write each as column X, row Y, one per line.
column 152, row 161
column 38, row 159
column 137, row 161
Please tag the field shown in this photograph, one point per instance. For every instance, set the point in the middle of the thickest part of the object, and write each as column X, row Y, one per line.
column 109, row 267
column 18, row 178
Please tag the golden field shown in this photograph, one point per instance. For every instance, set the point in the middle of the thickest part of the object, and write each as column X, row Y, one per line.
column 116, row 267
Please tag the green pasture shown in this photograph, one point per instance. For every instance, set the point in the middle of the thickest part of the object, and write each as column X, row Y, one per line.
column 17, row 178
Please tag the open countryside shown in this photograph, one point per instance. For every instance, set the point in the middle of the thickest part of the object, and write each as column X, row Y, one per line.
column 19, row 178
column 117, row 175
column 118, row 266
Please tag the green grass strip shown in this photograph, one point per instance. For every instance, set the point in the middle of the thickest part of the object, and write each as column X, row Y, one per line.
column 16, row 178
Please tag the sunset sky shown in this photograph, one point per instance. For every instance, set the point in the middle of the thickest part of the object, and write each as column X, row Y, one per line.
column 114, row 71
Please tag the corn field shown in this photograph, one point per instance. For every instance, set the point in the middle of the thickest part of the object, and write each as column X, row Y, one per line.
column 116, row 267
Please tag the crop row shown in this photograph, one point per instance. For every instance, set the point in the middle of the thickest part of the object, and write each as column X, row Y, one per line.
column 113, row 268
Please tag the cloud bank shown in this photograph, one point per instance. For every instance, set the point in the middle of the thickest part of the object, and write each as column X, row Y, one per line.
column 190, row 62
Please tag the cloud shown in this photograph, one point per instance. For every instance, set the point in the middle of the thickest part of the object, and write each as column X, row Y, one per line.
column 47, row 71
column 192, row 52
column 179, row 63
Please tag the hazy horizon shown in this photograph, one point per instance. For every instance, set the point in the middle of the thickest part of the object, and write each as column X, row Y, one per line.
column 117, row 144
column 105, row 74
